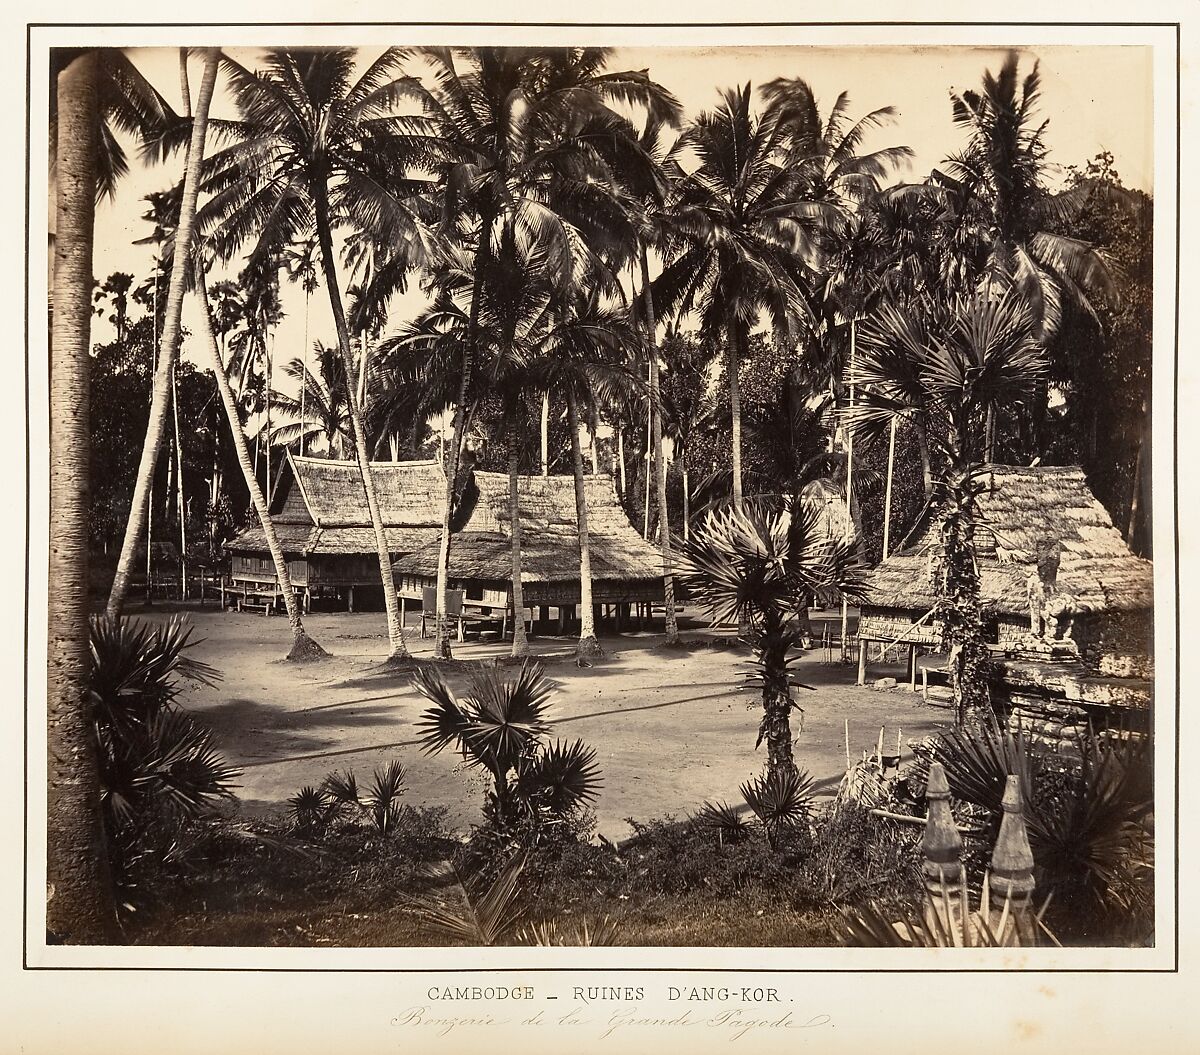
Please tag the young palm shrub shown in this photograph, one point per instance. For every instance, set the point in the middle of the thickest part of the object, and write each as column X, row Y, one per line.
column 725, row 821
column 158, row 765
column 756, row 566
column 500, row 726
column 314, row 808
column 490, row 912
column 781, row 800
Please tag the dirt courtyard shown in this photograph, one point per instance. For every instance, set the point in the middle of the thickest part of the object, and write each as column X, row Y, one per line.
column 670, row 728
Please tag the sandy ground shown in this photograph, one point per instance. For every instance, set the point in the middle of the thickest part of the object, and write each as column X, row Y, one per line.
column 670, row 728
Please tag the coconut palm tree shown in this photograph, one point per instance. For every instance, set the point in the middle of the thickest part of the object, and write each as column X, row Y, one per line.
column 505, row 125
column 740, row 219
column 995, row 188
column 314, row 148
column 948, row 365
column 648, row 187
column 757, row 565
column 688, row 408
column 303, row 646
column 136, row 527
column 582, row 360
column 79, row 905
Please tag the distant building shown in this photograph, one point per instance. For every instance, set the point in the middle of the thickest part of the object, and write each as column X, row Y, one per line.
column 626, row 569
column 320, row 513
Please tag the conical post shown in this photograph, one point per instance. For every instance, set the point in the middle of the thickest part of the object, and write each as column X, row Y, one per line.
column 942, row 848
column 1012, row 863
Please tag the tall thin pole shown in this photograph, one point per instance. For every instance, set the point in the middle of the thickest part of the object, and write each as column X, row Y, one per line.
column 304, row 371
column 649, row 461
column 849, row 491
column 150, row 506
column 887, row 495
column 179, row 487
column 546, row 433
column 269, row 350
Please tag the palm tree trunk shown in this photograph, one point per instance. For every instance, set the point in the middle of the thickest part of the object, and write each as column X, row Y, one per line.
column 594, row 428
column 546, row 433
column 179, row 488
column 397, row 647
column 735, row 407
column 588, row 645
column 922, row 435
column 646, row 467
column 621, row 458
column 660, row 474
column 303, row 646
column 363, row 353
column 1135, row 496
column 304, row 375
column 136, row 527
column 79, row 896
column 441, row 646
column 267, row 446
column 520, row 645
column 687, row 501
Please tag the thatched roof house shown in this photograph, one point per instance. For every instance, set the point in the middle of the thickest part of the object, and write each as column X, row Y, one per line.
column 320, row 513
column 625, row 567
column 1041, row 530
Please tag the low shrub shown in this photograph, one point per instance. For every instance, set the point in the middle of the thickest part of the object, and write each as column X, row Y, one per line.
column 159, row 768
column 540, row 789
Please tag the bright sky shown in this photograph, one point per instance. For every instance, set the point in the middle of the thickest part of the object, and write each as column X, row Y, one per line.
column 1095, row 98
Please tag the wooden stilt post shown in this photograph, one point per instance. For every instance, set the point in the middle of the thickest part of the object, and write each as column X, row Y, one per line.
column 350, row 599
column 912, row 667
column 862, row 661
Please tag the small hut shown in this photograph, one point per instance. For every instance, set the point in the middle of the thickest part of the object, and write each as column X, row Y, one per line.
column 319, row 509
column 626, row 569
column 1053, row 569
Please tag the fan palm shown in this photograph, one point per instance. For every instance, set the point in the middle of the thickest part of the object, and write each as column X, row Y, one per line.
column 315, row 147
column 947, row 366
column 499, row 726
column 757, row 565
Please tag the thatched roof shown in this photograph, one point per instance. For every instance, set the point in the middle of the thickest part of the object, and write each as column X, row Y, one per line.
column 1022, row 509
column 319, row 507
column 482, row 548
